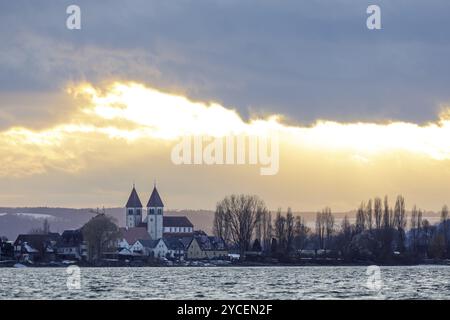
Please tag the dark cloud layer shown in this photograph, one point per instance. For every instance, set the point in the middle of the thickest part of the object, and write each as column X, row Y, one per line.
column 303, row 59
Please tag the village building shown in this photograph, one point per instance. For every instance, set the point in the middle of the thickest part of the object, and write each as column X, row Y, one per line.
column 150, row 248
column 36, row 247
column 206, row 247
column 71, row 245
column 176, row 248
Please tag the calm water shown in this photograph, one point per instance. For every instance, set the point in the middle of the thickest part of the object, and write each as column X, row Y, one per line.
column 418, row 282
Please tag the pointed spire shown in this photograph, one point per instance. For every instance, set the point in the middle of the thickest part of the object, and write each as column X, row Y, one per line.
column 155, row 199
column 133, row 200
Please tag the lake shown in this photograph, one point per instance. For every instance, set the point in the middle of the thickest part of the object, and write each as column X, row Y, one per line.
column 400, row 282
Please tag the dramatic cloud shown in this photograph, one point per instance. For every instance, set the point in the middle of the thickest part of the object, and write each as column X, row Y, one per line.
column 304, row 59
column 118, row 125
column 359, row 113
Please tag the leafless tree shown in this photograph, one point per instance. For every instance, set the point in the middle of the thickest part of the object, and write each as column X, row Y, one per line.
column 414, row 224
column 221, row 224
column 243, row 212
column 290, row 224
column 360, row 219
column 369, row 215
column 320, row 229
column 400, row 220
column 280, row 230
column 386, row 214
column 101, row 234
column 377, row 212
column 266, row 224
column 400, row 213
column 445, row 227
column 324, row 226
column 329, row 223
column 301, row 232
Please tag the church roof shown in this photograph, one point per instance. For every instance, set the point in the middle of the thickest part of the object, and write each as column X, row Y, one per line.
column 155, row 199
column 181, row 221
column 133, row 200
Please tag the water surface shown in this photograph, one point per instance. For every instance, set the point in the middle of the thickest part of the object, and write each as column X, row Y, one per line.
column 414, row 282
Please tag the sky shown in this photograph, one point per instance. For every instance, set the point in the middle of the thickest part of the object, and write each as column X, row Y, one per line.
column 359, row 113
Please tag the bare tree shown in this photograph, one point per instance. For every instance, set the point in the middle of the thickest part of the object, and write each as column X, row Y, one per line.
column 414, row 224
column 329, row 224
column 386, row 214
column 360, row 219
column 324, row 226
column 243, row 212
column 369, row 215
column 280, row 230
column 400, row 221
column 427, row 232
column 320, row 229
column 301, row 232
column 101, row 234
column 400, row 213
column 377, row 212
column 266, row 223
column 221, row 224
column 290, row 224
column 445, row 227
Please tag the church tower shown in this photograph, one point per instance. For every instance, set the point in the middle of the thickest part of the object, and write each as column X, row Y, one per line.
column 155, row 208
column 133, row 210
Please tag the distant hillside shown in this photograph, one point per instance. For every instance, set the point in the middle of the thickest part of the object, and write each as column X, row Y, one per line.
column 14, row 221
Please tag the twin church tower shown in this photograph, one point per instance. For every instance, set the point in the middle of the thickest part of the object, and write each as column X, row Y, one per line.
column 154, row 218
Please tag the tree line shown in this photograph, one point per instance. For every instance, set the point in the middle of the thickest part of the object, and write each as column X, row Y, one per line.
column 378, row 232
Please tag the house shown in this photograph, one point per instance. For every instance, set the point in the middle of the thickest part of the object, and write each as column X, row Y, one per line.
column 150, row 248
column 71, row 245
column 206, row 247
column 35, row 247
column 6, row 249
column 176, row 247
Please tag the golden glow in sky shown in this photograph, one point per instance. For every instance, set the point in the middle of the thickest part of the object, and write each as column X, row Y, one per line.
column 120, row 121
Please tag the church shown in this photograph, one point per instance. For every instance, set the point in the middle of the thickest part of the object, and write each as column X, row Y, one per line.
column 156, row 225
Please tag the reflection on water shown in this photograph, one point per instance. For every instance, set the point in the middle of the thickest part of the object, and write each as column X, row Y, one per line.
column 416, row 282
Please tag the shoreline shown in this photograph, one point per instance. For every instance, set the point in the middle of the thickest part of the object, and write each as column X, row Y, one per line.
column 18, row 265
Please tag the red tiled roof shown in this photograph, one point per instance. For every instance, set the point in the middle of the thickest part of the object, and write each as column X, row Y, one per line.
column 131, row 235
